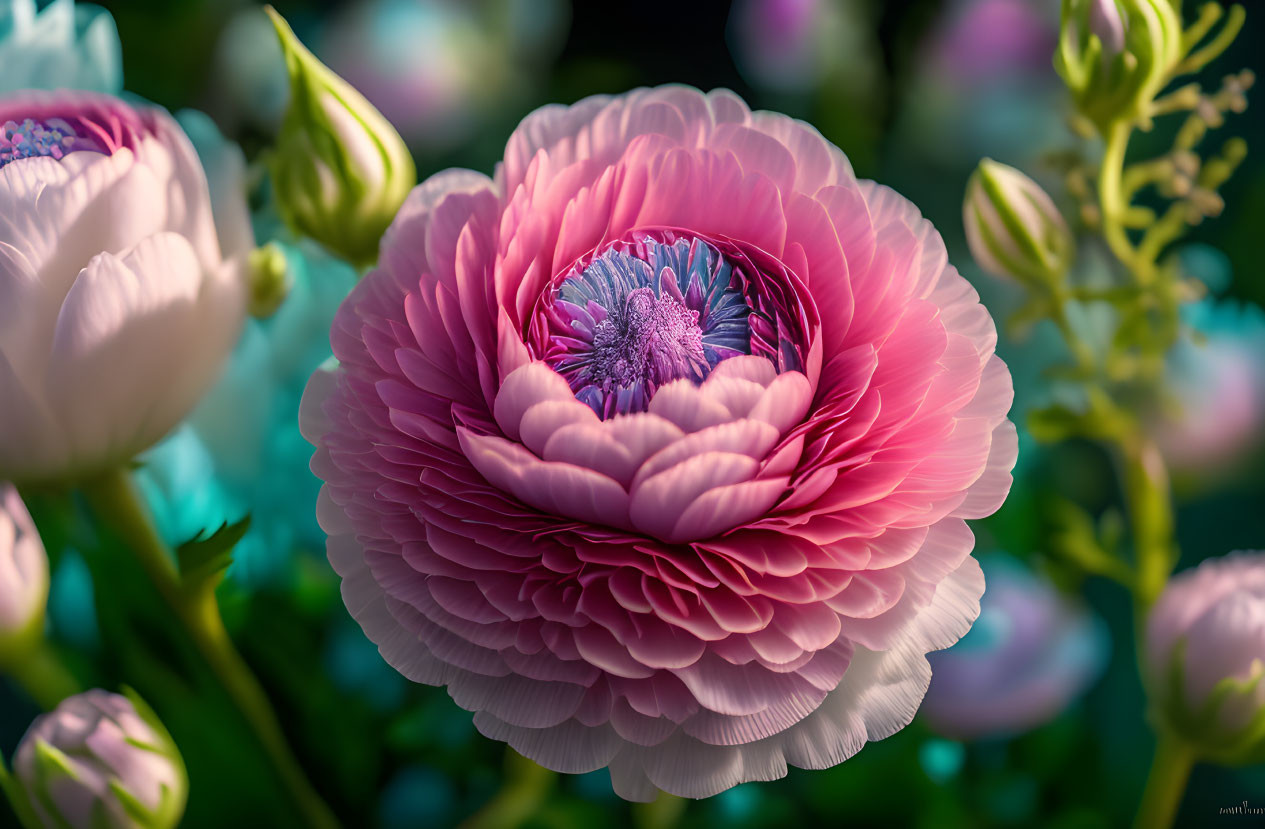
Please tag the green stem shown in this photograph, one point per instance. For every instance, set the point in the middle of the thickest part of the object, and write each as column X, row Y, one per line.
column 1111, row 194
column 525, row 790
column 115, row 501
column 42, row 675
column 1166, row 784
column 1151, row 515
column 1081, row 353
column 663, row 812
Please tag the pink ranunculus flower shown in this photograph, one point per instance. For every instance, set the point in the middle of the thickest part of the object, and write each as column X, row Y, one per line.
column 657, row 448
column 117, row 303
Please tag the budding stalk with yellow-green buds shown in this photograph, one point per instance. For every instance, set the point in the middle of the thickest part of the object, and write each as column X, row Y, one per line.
column 1205, row 651
column 340, row 170
column 1116, row 55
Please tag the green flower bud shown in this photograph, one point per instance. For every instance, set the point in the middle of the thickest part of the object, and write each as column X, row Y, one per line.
column 340, row 169
column 1013, row 227
column 102, row 760
column 1116, row 55
column 270, row 280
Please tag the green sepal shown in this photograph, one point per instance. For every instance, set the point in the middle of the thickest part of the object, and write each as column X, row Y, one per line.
column 17, row 798
column 204, row 558
column 1201, row 726
column 172, row 803
column 50, row 761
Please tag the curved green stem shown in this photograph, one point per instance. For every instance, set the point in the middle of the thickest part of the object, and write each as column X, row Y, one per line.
column 1166, row 784
column 116, row 503
column 42, row 675
column 525, row 790
column 663, row 812
column 1151, row 515
column 1081, row 352
column 1111, row 195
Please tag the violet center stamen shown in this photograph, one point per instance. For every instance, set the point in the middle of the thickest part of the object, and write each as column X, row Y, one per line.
column 49, row 138
column 642, row 314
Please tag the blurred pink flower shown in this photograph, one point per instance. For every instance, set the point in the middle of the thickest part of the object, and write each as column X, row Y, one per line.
column 1217, row 420
column 1209, row 625
column 793, row 45
column 985, row 40
column 1030, row 654
column 438, row 69
column 117, row 304
column 656, row 448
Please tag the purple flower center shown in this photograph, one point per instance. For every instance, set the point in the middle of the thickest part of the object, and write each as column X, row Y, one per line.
column 50, row 138
column 644, row 313
column 649, row 338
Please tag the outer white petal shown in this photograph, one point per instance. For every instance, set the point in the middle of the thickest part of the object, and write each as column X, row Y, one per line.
column 131, row 333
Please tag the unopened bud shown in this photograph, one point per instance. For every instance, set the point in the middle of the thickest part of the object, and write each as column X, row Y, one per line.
column 102, row 760
column 340, row 169
column 1205, row 655
column 1013, row 227
column 1116, row 55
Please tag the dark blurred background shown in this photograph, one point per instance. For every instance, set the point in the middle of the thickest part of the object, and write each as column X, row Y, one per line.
column 915, row 92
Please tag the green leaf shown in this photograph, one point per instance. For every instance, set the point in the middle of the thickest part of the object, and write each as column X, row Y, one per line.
column 206, row 557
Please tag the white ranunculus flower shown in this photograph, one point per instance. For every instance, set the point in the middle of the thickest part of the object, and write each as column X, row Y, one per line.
column 118, row 299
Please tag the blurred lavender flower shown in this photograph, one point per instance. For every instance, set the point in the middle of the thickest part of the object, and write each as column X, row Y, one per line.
column 792, row 46
column 63, row 46
column 1030, row 654
column 983, row 40
column 983, row 86
column 436, row 69
column 1218, row 383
